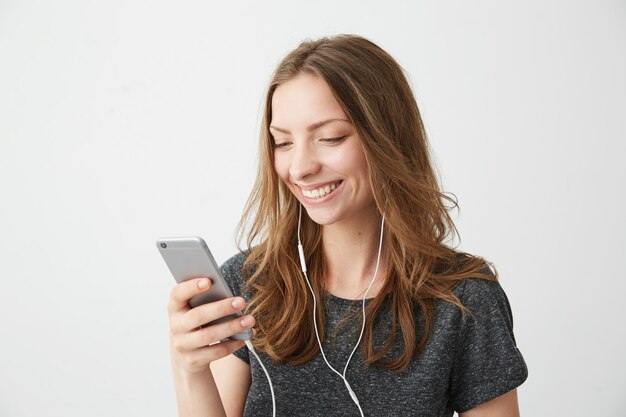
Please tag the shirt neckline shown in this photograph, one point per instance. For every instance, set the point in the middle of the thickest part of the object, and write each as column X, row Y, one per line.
column 346, row 301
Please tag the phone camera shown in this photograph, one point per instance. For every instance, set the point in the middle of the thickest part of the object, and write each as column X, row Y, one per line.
column 163, row 245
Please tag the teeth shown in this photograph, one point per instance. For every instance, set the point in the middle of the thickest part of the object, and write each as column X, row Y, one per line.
column 320, row 192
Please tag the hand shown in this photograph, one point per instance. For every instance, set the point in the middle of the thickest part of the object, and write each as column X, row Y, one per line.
column 193, row 347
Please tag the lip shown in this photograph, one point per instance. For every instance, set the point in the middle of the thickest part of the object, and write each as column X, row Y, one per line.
column 316, row 186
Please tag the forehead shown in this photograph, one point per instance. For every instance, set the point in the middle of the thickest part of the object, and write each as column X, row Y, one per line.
column 303, row 100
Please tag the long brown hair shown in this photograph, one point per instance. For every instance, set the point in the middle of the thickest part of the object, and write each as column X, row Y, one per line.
column 374, row 93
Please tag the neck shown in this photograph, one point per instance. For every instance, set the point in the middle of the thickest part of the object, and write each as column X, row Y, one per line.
column 351, row 252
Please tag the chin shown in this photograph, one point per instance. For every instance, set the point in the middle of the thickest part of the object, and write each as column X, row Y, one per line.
column 321, row 218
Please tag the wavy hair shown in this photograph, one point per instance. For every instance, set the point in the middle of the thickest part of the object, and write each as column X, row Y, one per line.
column 371, row 88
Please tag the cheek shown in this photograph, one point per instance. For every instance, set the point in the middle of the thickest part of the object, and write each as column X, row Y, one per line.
column 359, row 170
column 363, row 168
column 353, row 163
column 344, row 161
column 281, row 168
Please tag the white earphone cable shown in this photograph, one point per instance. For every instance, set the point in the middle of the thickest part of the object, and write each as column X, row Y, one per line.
column 304, row 271
column 319, row 342
column 269, row 380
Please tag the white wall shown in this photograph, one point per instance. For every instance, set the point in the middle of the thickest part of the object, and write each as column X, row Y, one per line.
column 123, row 121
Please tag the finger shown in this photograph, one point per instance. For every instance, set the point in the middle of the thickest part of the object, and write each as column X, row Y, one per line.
column 214, row 333
column 181, row 293
column 209, row 312
column 200, row 358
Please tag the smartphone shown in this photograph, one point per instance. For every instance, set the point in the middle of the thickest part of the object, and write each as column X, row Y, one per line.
column 189, row 258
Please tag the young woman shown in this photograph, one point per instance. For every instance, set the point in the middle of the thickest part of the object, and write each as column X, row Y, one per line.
column 345, row 171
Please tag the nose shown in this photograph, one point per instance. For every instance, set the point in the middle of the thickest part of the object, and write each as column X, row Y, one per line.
column 304, row 162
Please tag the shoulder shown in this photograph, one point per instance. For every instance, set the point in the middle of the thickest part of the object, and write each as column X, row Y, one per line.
column 485, row 297
column 234, row 264
column 487, row 362
column 486, row 308
column 479, row 290
column 232, row 271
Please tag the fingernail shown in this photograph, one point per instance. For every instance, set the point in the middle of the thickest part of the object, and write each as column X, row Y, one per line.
column 247, row 321
column 203, row 283
column 238, row 302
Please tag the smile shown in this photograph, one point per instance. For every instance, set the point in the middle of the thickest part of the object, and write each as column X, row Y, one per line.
column 322, row 191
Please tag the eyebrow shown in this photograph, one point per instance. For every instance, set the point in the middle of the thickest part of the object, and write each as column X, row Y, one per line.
column 313, row 126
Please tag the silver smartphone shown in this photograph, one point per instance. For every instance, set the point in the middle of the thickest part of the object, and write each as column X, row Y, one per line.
column 189, row 258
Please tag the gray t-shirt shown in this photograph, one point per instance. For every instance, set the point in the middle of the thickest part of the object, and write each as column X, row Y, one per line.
column 465, row 363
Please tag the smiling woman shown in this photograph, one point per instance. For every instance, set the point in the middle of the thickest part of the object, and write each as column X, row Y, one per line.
column 358, row 303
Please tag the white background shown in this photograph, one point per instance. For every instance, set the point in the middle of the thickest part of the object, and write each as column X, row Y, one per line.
column 123, row 121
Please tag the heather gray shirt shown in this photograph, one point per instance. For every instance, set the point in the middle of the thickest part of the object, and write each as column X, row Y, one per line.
column 466, row 362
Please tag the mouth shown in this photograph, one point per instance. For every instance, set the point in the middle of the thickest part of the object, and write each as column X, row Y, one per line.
column 322, row 191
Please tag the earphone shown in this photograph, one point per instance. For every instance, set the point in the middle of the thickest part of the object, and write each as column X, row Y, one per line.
column 304, row 271
column 317, row 336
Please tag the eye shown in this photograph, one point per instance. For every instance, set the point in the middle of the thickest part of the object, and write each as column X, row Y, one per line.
column 333, row 140
column 281, row 145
